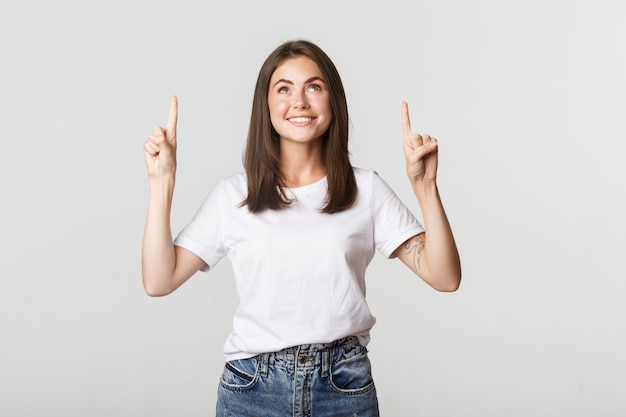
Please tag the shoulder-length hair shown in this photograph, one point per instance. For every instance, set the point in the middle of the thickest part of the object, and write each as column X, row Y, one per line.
column 262, row 155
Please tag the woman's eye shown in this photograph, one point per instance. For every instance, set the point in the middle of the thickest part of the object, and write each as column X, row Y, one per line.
column 315, row 87
column 283, row 90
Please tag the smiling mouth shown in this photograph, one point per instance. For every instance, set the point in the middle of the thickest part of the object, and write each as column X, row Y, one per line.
column 301, row 119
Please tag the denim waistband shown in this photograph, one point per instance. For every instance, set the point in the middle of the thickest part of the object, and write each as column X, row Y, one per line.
column 312, row 355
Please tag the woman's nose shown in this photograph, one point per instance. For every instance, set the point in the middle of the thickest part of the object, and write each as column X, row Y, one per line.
column 300, row 100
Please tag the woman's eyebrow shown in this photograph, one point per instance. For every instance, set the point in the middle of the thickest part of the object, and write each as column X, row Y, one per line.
column 314, row 78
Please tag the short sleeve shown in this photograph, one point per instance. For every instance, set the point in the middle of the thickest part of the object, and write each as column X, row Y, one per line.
column 204, row 234
column 393, row 221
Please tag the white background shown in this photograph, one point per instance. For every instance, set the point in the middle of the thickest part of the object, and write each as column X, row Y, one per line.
column 526, row 98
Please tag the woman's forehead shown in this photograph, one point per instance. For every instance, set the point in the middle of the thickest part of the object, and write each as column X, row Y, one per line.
column 295, row 68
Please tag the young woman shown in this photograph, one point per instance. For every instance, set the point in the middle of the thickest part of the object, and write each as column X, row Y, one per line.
column 300, row 227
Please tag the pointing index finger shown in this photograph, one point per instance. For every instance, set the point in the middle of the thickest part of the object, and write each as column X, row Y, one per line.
column 172, row 120
column 406, row 122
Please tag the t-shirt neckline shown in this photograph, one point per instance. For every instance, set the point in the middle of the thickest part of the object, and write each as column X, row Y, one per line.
column 314, row 185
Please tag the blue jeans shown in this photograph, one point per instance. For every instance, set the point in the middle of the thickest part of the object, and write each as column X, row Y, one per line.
column 319, row 380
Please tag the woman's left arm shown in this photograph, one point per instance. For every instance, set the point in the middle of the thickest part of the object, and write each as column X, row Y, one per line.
column 431, row 255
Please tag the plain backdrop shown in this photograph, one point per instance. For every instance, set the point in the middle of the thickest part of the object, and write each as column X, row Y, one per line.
column 526, row 98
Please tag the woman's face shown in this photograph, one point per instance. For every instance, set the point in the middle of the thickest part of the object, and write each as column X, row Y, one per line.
column 299, row 101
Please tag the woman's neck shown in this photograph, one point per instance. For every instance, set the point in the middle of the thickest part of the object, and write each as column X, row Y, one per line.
column 301, row 164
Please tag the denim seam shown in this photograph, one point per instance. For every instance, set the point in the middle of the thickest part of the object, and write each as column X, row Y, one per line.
column 246, row 377
column 237, row 372
column 357, row 391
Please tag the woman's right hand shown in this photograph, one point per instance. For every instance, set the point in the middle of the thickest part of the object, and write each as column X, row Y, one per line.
column 160, row 148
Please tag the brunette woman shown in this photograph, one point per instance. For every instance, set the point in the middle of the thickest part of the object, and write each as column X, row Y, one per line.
column 300, row 227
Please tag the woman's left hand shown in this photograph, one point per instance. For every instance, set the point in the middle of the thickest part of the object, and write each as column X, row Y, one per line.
column 420, row 152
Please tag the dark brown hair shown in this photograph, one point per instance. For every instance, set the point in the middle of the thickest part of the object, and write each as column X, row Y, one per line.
column 262, row 154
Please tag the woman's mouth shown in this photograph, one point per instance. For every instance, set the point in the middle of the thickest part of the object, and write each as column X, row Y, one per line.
column 300, row 119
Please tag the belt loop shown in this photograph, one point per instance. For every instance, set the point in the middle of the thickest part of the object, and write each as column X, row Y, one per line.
column 264, row 364
column 325, row 363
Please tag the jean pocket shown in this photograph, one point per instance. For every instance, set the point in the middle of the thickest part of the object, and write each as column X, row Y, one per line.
column 352, row 375
column 240, row 374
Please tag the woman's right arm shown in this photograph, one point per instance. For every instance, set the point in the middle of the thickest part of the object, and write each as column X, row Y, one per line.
column 165, row 267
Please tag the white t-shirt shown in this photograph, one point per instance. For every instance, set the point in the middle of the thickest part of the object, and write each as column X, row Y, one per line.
column 300, row 273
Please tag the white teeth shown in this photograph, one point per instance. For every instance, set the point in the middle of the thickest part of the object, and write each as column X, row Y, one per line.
column 300, row 119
